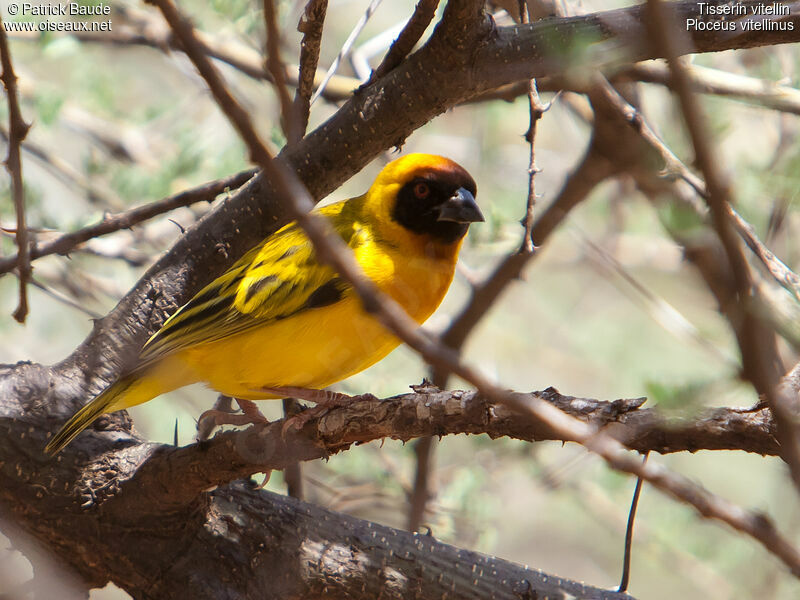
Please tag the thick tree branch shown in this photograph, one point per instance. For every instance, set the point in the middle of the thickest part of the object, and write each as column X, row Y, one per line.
column 430, row 412
column 137, row 515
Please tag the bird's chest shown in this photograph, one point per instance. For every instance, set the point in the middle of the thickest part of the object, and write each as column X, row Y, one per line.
column 418, row 280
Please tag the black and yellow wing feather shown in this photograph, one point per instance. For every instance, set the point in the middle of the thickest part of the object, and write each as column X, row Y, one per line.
column 263, row 323
column 275, row 280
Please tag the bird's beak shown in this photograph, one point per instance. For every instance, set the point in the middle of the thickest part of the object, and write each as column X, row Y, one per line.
column 461, row 208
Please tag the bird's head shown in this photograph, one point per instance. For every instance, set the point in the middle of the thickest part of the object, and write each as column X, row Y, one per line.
column 427, row 195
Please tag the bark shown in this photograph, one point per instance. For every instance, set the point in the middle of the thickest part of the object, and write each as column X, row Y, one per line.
column 116, row 508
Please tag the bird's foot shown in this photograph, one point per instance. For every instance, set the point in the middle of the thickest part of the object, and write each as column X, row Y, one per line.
column 324, row 400
column 222, row 414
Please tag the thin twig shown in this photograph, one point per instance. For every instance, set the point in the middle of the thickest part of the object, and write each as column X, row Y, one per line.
column 536, row 110
column 125, row 220
column 17, row 130
column 348, row 43
column 760, row 360
column 752, row 90
column 775, row 266
column 760, row 92
column 405, row 42
column 626, row 560
column 674, row 167
column 277, row 70
column 68, row 174
column 64, row 299
column 421, row 493
column 310, row 25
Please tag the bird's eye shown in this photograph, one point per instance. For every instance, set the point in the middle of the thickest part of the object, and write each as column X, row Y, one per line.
column 422, row 191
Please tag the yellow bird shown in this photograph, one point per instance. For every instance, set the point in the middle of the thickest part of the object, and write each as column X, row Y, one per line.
column 280, row 319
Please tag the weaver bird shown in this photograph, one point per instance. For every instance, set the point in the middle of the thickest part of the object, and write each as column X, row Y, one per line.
column 279, row 320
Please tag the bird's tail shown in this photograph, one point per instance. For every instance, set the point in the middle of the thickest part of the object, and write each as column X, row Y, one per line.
column 99, row 405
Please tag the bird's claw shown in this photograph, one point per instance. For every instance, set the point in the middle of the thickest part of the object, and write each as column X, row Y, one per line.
column 250, row 416
column 324, row 399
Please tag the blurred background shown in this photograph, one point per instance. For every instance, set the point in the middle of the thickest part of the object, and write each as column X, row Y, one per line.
column 116, row 125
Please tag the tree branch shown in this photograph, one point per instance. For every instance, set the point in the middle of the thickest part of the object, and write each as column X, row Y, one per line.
column 761, row 364
column 444, row 72
column 310, row 26
column 755, row 91
column 67, row 242
column 408, row 38
column 17, row 130
column 289, row 123
column 238, row 454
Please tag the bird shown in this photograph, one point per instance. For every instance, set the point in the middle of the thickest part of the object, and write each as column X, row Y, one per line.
column 280, row 321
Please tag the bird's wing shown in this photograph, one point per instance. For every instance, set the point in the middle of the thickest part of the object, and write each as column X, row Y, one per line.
column 275, row 280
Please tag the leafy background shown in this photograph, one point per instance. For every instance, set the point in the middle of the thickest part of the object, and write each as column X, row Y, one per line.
column 573, row 322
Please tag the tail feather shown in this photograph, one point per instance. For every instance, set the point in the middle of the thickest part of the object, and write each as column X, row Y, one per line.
column 86, row 415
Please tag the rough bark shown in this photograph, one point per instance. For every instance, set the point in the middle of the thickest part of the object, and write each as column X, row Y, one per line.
column 117, row 508
column 239, row 542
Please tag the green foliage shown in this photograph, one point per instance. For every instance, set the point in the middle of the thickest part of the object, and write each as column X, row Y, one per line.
column 678, row 398
column 48, row 106
column 682, row 220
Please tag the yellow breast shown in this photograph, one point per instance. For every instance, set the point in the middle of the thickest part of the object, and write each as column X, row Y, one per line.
column 321, row 346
